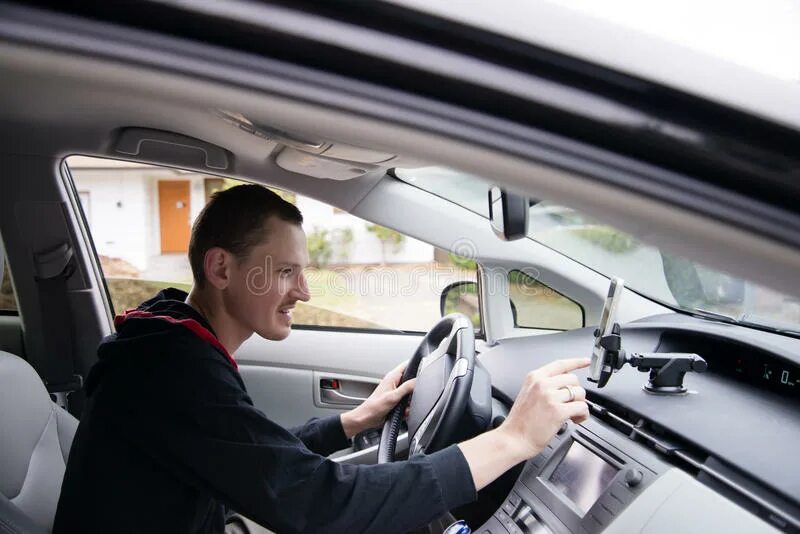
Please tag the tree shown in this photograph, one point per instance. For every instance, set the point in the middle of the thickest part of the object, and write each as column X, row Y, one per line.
column 388, row 238
column 341, row 239
column 319, row 247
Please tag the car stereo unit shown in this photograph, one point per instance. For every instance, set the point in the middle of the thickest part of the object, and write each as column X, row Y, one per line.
column 579, row 483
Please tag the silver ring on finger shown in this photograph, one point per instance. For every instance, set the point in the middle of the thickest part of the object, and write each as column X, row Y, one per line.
column 571, row 393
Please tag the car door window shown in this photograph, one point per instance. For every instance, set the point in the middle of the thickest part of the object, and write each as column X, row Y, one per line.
column 8, row 300
column 362, row 275
column 535, row 305
column 367, row 276
column 139, row 217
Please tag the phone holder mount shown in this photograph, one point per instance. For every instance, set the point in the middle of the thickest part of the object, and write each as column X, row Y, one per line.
column 667, row 369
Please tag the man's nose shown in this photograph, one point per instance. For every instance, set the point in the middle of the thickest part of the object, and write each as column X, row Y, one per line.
column 301, row 291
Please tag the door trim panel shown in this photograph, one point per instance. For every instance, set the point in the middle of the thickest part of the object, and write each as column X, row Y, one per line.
column 372, row 355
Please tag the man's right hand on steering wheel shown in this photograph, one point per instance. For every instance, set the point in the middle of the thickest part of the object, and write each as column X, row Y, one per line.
column 372, row 412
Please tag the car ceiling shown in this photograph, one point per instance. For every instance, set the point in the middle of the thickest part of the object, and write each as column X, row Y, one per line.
column 57, row 103
column 57, row 106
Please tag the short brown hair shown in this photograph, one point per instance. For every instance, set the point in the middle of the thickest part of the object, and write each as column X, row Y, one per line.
column 235, row 220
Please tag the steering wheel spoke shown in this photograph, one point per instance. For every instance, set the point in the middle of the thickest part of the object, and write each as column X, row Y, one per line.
column 443, row 365
column 427, row 429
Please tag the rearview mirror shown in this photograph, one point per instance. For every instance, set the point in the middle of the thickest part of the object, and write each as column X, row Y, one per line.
column 461, row 297
column 508, row 214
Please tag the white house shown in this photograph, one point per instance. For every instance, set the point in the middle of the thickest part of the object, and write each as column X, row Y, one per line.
column 143, row 213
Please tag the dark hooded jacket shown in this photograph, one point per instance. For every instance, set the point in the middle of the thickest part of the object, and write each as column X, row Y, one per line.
column 170, row 441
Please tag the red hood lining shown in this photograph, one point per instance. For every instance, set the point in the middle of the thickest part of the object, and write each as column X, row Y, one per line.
column 190, row 324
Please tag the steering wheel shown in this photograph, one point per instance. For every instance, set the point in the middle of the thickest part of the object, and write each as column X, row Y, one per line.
column 443, row 365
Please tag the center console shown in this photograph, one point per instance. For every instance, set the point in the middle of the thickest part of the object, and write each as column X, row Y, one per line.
column 581, row 482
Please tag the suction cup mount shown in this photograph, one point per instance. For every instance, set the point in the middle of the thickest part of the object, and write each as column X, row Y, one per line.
column 666, row 369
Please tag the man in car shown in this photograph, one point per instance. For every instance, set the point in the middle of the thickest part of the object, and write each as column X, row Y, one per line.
column 170, row 439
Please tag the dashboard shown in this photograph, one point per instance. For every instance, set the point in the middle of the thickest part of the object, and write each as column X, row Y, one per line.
column 721, row 457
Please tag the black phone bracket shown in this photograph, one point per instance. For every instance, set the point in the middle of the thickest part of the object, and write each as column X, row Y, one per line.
column 667, row 369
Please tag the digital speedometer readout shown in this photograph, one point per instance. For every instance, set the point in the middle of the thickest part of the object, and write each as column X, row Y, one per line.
column 739, row 361
column 764, row 371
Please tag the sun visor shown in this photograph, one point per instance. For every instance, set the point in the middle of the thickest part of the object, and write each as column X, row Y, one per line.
column 319, row 167
column 355, row 153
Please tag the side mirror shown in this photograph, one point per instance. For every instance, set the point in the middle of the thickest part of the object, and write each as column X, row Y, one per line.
column 461, row 297
column 508, row 214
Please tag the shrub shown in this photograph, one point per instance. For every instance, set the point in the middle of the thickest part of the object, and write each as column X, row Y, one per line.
column 388, row 238
column 319, row 247
column 462, row 262
column 342, row 238
column 608, row 238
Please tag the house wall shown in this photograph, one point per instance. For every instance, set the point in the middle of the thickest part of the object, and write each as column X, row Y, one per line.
column 123, row 210
column 117, row 201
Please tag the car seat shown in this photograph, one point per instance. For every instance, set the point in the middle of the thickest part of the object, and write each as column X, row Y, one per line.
column 35, row 438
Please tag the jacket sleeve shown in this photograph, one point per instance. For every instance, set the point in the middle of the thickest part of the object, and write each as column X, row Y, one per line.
column 323, row 436
column 203, row 429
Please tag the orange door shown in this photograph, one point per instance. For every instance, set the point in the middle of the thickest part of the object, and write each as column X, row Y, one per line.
column 173, row 208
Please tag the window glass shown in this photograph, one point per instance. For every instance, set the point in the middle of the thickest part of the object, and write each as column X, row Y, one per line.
column 361, row 275
column 534, row 305
column 140, row 217
column 658, row 274
column 364, row 275
column 8, row 301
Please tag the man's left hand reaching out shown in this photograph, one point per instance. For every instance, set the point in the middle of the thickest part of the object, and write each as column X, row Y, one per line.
column 372, row 412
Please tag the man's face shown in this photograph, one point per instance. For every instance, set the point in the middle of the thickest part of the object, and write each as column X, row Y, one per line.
column 267, row 284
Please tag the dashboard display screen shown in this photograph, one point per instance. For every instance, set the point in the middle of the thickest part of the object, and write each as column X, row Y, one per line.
column 582, row 476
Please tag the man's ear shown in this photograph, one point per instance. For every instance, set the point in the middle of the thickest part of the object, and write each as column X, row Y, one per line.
column 216, row 264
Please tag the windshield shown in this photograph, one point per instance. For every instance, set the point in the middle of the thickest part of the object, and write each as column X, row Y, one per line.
column 665, row 277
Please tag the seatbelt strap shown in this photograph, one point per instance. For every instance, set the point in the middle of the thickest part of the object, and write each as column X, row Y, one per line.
column 53, row 269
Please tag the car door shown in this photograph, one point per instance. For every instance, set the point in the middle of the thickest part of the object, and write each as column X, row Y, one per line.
column 317, row 372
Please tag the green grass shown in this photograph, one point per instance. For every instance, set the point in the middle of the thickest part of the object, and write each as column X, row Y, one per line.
column 128, row 293
column 7, row 299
